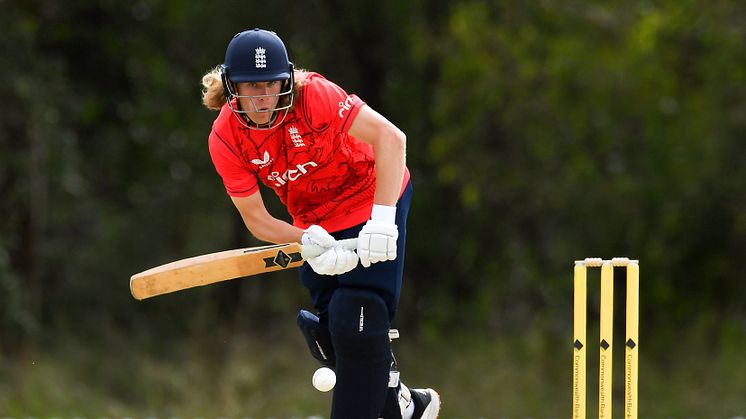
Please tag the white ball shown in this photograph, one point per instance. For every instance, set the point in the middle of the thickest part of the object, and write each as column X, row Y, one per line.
column 324, row 379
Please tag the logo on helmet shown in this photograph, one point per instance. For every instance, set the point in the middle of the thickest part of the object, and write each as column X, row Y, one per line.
column 260, row 58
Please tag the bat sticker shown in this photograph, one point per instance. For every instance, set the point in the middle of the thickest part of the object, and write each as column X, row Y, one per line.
column 282, row 259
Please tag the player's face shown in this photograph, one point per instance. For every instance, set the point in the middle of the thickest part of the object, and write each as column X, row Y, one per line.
column 265, row 97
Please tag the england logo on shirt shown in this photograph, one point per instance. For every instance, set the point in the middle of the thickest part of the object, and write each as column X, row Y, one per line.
column 296, row 138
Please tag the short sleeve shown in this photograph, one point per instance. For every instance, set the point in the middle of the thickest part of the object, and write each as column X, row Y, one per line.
column 239, row 180
column 328, row 106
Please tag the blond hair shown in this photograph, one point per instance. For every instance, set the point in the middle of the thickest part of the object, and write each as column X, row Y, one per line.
column 213, row 96
column 212, row 90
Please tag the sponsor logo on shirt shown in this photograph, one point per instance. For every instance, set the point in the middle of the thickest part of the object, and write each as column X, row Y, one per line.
column 345, row 106
column 266, row 161
column 290, row 175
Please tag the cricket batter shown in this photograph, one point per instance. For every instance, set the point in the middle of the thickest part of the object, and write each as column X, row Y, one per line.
column 339, row 168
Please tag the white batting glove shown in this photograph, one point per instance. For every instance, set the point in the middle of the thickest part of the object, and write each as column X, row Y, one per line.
column 335, row 261
column 377, row 240
column 316, row 234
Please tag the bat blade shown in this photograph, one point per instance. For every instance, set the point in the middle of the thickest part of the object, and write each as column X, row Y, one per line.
column 214, row 267
column 221, row 266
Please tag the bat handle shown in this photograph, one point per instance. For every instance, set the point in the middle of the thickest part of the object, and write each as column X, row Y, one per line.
column 312, row 250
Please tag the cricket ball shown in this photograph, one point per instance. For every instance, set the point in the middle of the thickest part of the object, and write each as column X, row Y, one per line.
column 324, row 379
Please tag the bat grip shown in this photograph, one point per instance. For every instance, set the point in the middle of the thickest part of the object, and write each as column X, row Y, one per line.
column 312, row 250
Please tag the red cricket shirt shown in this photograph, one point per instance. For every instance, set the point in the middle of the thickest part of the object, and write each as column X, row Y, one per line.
column 322, row 174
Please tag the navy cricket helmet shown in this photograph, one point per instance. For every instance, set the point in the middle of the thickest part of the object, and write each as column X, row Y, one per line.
column 257, row 55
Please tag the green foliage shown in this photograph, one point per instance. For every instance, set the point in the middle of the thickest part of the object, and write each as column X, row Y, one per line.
column 561, row 131
column 538, row 133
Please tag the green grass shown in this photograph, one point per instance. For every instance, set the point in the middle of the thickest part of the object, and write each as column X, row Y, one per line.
column 269, row 376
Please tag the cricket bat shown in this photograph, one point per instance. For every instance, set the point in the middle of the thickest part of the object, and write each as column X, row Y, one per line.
column 222, row 266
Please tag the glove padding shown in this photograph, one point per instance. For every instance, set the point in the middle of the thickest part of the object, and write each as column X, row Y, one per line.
column 335, row 261
column 377, row 242
column 316, row 234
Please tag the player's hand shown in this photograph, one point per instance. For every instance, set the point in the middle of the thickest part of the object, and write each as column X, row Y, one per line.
column 377, row 240
column 335, row 261
column 316, row 234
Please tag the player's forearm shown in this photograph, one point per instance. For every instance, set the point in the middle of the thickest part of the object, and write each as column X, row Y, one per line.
column 261, row 224
column 273, row 230
column 390, row 155
column 389, row 148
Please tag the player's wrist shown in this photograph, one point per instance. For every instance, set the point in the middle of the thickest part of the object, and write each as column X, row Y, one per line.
column 384, row 213
column 315, row 234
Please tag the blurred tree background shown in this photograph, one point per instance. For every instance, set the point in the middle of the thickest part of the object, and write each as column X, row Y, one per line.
column 538, row 133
